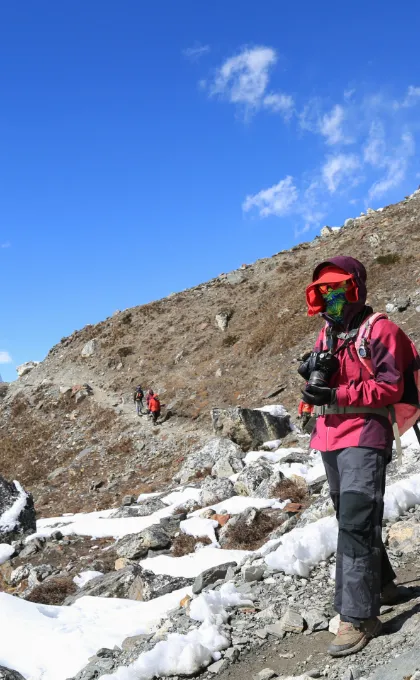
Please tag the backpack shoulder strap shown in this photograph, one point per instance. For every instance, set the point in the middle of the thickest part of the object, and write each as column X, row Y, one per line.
column 363, row 338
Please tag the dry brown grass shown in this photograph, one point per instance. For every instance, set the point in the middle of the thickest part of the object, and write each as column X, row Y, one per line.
column 184, row 544
column 289, row 489
column 243, row 537
column 54, row 591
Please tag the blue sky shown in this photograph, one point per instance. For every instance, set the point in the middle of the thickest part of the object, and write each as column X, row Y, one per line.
column 148, row 146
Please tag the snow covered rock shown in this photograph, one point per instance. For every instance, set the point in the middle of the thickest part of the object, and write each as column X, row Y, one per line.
column 205, row 457
column 215, row 491
column 8, row 674
column 249, row 427
column 135, row 546
column 252, row 477
column 17, row 512
column 25, row 368
column 121, row 584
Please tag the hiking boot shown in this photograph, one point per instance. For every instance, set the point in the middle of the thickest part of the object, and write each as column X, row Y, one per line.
column 390, row 594
column 350, row 639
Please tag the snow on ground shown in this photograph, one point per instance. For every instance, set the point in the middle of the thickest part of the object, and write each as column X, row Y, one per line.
column 274, row 409
column 303, row 548
column 179, row 497
column 237, row 504
column 58, row 641
column 198, row 526
column 190, row 566
column 9, row 518
column 271, row 456
column 85, row 576
column 101, row 524
column 6, row 551
column 186, row 654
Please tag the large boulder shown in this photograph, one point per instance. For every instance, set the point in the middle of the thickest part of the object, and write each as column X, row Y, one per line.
column 132, row 582
column 215, row 491
column 249, row 428
column 17, row 512
column 89, row 348
column 203, row 459
column 136, row 546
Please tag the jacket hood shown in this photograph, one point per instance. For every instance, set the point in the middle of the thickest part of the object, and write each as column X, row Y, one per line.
column 358, row 271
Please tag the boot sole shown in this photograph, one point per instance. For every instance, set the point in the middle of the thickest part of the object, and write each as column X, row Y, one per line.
column 359, row 646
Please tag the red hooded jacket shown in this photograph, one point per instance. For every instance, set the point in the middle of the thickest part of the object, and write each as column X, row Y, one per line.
column 391, row 357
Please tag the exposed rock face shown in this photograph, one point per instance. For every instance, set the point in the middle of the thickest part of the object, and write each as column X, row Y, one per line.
column 131, row 582
column 257, row 479
column 7, row 674
column 25, row 368
column 249, row 427
column 90, row 348
column 217, row 449
column 17, row 512
column 135, row 546
column 147, row 507
column 215, row 490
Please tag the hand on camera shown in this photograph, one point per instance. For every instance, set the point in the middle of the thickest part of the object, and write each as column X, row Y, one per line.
column 318, row 396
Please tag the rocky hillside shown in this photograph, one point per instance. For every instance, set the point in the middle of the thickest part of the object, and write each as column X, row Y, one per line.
column 234, row 340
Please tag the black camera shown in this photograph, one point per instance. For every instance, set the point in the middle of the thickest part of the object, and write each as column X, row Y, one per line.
column 318, row 367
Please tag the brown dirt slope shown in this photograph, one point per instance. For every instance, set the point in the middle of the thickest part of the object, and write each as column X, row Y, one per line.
column 191, row 363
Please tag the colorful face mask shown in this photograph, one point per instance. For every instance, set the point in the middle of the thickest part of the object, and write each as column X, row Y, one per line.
column 335, row 301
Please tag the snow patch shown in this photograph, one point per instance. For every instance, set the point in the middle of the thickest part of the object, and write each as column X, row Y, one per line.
column 10, row 517
column 192, row 565
column 85, row 576
column 198, row 526
column 6, row 551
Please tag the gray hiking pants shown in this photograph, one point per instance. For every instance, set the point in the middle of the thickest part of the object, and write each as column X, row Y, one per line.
column 356, row 477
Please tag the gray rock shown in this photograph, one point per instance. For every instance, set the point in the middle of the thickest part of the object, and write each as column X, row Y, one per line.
column 276, row 630
column 252, row 477
column 232, row 654
column 217, row 666
column 25, row 368
column 315, row 620
column 210, row 576
column 226, row 467
column 147, row 507
column 28, row 550
column 265, row 674
column 206, row 456
column 389, row 308
column 89, row 348
column 128, row 500
column 19, row 574
column 248, row 427
column 135, row 546
column 11, row 529
column 8, row 674
column 402, row 303
column 222, row 319
column 291, row 621
column 235, row 277
column 215, row 491
column 351, row 673
column 114, row 584
column 251, row 573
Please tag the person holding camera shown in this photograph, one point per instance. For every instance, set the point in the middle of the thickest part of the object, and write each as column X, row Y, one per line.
column 361, row 367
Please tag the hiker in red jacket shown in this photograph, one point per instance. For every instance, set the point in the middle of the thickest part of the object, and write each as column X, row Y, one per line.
column 149, row 395
column 154, row 406
column 351, row 382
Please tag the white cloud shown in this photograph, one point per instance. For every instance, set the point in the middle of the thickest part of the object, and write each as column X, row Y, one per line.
column 5, row 357
column 279, row 103
column 375, row 148
column 339, row 168
column 196, row 52
column 277, row 200
column 411, row 98
column 396, row 166
column 330, row 126
column 244, row 79
column 7, row 244
column 348, row 94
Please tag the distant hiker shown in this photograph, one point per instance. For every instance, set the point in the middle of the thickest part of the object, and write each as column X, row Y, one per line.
column 154, row 407
column 149, row 395
column 138, row 399
column 363, row 381
column 305, row 413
